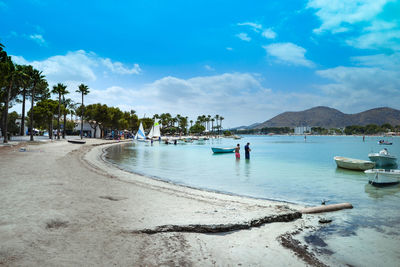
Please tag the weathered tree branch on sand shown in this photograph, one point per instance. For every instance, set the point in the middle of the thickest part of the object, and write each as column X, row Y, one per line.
column 219, row 228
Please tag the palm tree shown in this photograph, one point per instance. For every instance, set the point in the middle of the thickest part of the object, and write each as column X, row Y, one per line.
column 220, row 121
column 68, row 104
column 208, row 122
column 61, row 90
column 25, row 83
column 36, row 77
column 216, row 120
column 212, row 124
column 191, row 123
column 11, row 76
column 84, row 90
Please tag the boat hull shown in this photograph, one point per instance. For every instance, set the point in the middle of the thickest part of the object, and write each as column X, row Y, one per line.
column 383, row 177
column 77, row 141
column 382, row 160
column 354, row 164
column 222, row 150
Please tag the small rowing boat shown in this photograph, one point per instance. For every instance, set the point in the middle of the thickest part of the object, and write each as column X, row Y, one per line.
column 223, row 150
column 353, row 164
column 77, row 141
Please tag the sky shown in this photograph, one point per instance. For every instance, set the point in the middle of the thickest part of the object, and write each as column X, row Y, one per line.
column 247, row 61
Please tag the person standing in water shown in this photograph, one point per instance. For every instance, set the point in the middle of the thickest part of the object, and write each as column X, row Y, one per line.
column 247, row 151
column 237, row 151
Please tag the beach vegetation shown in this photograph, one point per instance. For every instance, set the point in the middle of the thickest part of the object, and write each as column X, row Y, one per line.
column 227, row 133
column 369, row 129
column 84, row 90
column 43, row 115
column 197, row 128
column 61, row 90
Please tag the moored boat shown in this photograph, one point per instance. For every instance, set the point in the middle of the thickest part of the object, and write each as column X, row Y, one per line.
column 354, row 164
column 77, row 141
column 223, row 150
column 383, row 177
column 383, row 158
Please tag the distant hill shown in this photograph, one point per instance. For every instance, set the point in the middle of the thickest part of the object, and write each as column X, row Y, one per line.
column 332, row 118
column 252, row 126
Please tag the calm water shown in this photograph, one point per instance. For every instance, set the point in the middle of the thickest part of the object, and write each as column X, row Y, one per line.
column 291, row 169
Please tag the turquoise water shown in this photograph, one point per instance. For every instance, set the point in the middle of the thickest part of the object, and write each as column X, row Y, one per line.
column 292, row 169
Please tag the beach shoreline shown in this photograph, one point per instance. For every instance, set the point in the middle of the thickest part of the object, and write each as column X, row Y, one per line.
column 73, row 207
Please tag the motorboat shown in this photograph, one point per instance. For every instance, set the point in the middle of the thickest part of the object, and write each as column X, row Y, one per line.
column 383, row 177
column 383, row 158
column 354, row 164
column 223, row 150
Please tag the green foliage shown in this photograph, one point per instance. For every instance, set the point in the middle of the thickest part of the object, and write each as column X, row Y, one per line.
column 13, row 127
column 43, row 114
column 147, row 123
column 368, row 129
column 197, row 128
column 227, row 133
column 319, row 130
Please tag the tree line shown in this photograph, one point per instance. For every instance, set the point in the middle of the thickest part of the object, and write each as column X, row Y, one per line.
column 23, row 83
column 369, row 129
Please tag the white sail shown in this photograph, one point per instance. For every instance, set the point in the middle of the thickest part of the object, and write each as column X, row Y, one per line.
column 140, row 133
column 156, row 132
column 151, row 134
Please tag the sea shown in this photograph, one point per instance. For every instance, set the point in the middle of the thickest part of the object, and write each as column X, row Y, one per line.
column 293, row 169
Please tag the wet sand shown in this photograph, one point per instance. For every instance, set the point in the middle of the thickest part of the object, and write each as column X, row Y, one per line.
column 62, row 204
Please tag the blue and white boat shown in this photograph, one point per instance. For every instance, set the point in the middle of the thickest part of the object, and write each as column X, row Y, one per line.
column 223, row 150
column 383, row 158
column 140, row 136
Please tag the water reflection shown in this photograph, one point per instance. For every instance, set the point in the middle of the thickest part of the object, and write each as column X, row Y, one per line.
column 380, row 192
column 247, row 168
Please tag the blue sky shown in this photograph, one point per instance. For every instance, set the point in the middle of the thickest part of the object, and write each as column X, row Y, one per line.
column 246, row 61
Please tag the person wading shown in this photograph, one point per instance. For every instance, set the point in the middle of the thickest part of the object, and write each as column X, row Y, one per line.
column 237, row 151
column 247, row 151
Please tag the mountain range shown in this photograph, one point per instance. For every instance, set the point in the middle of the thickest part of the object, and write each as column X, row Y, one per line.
column 331, row 118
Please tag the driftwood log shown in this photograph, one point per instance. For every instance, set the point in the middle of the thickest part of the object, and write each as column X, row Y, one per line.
column 327, row 208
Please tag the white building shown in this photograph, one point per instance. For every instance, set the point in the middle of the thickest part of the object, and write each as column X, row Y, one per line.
column 302, row 130
column 88, row 131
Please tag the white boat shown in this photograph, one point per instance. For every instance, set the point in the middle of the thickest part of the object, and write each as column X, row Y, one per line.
column 354, row 164
column 140, row 136
column 383, row 158
column 155, row 131
column 383, row 177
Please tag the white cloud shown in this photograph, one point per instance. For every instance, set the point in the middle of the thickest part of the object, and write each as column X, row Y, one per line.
column 208, row 67
column 118, row 67
column 377, row 40
column 363, row 19
column 338, row 15
column 38, row 38
column 383, row 61
column 269, row 34
column 255, row 26
column 288, row 53
column 229, row 48
column 243, row 36
column 361, row 87
column 236, row 96
column 76, row 67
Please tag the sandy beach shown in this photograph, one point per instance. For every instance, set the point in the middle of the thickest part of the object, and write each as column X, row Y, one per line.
column 63, row 205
